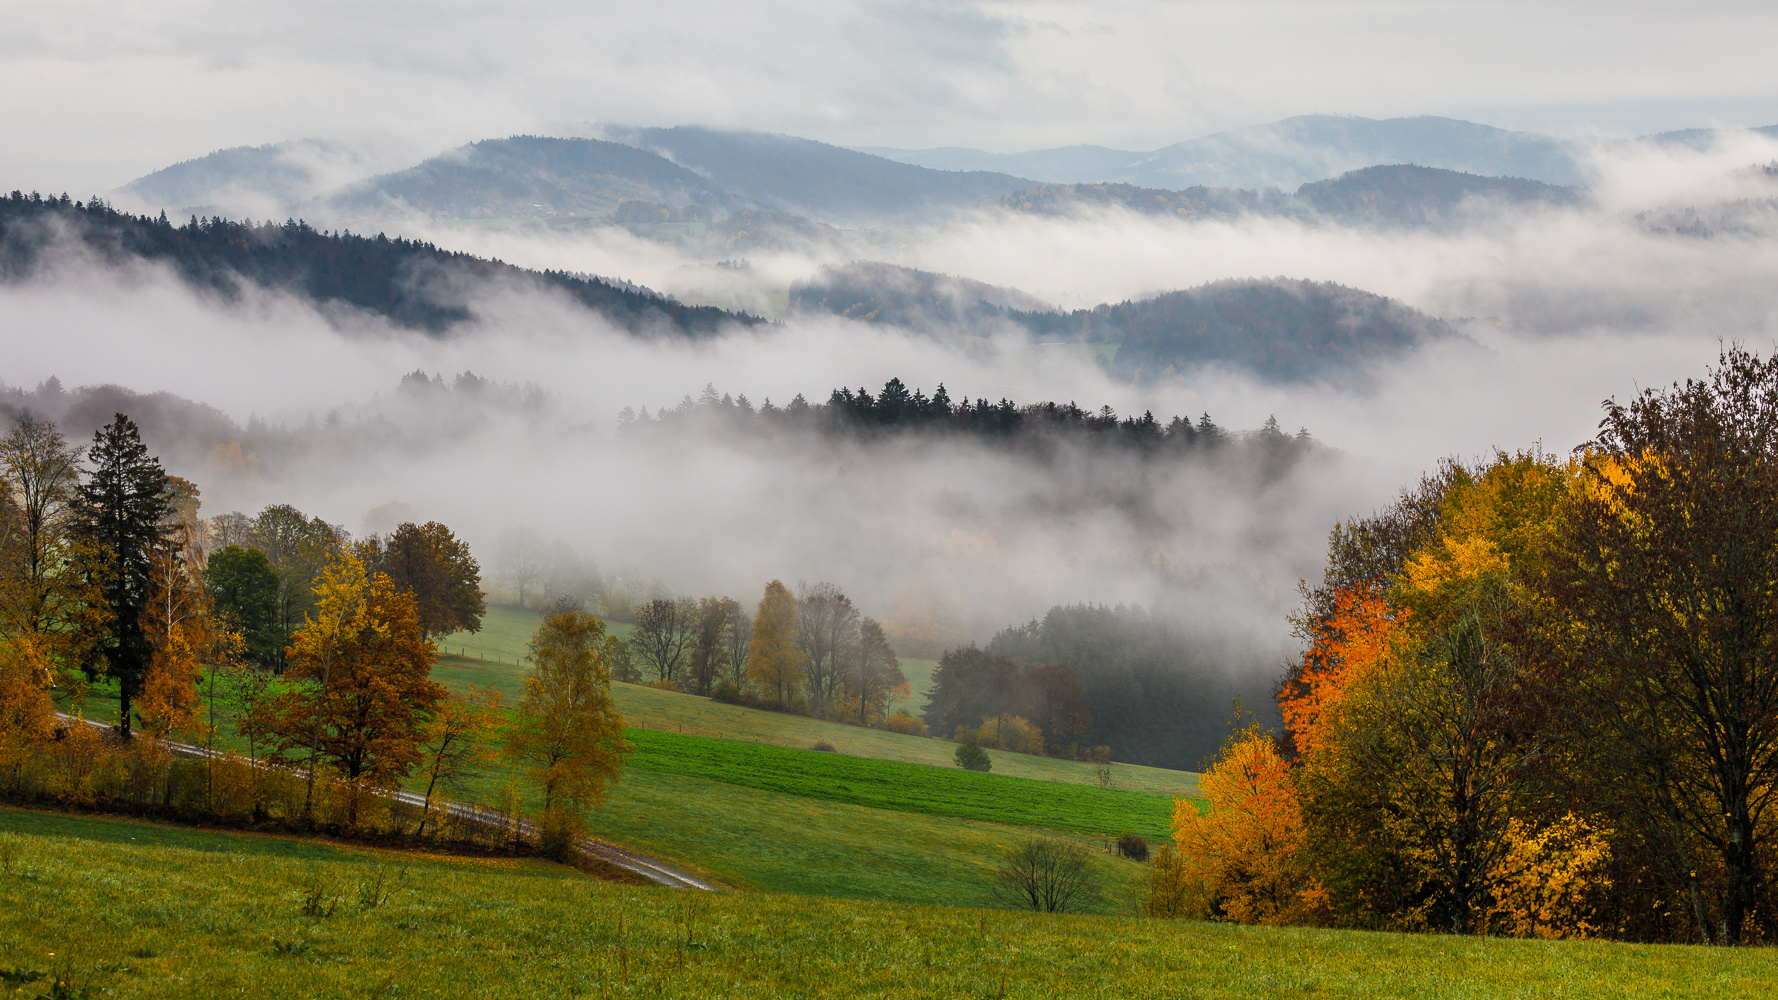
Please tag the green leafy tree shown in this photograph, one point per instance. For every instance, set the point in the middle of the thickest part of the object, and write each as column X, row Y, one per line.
column 244, row 587
column 122, row 506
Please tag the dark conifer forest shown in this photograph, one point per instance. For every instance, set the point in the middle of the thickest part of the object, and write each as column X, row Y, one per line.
column 412, row 283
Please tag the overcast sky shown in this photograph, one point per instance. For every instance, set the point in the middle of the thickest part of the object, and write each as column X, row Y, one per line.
column 101, row 91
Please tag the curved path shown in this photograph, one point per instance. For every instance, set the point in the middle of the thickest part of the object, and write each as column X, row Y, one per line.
column 653, row 871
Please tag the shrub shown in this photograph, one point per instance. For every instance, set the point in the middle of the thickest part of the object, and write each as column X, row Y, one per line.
column 1010, row 732
column 1132, row 846
column 728, row 693
column 901, row 722
column 1172, row 891
column 664, row 685
column 971, row 757
column 1049, row 876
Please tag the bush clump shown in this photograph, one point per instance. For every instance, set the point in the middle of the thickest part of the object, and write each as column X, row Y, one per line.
column 728, row 693
column 901, row 722
column 971, row 757
column 1132, row 846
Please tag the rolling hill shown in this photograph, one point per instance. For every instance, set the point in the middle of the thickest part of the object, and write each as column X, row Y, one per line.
column 829, row 183
column 1283, row 154
column 1278, row 329
column 411, row 283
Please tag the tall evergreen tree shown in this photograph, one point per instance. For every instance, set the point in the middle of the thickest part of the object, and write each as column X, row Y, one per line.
column 122, row 506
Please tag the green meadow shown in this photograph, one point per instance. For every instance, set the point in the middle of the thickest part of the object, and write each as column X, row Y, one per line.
column 116, row 908
column 917, row 788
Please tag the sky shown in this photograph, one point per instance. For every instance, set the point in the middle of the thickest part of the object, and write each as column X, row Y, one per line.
column 102, row 91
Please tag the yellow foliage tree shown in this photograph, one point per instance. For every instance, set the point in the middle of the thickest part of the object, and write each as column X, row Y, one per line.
column 568, row 734
column 371, row 693
column 1245, row 851
column 773, row 661
column 27, row 715
column 1550, row 882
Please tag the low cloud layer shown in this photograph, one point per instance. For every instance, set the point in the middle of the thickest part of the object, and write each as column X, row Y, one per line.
column 1558, row 310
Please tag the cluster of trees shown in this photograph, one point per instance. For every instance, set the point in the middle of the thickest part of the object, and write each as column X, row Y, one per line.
column 1540, row 698
column 812, row 652
column 1035, row 426
column 988, row 700
column 322, row 643
column 1090, row 677
column 366, row 272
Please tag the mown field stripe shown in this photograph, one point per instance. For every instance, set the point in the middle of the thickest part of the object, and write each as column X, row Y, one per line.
column 916, row 788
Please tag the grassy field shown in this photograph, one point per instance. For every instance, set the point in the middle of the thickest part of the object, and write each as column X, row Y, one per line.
column 129, row 909
column 669, row 711
column 937, row 791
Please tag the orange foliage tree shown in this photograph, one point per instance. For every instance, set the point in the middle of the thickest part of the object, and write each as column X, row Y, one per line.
column 1246, row 850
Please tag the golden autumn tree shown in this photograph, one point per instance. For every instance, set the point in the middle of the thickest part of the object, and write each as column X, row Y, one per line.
column 177, row 621
column 27, row 715
column 1245, row 852
column 567, row 733
column 369, row 694
column 773, row 660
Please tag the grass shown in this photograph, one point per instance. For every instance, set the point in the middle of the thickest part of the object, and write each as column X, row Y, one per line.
column 195, row 914
column 501, row 643
column 905, row 787
column 669, row 711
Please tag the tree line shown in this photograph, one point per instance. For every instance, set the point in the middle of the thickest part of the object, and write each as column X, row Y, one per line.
column 1035, row 426
column 320, row 646
column 1539, row 698
column 808, row 653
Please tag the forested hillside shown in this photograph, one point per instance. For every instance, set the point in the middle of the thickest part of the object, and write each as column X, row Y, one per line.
column 1098, row 676
column 1276, row 328
column 1397, row 196
column 413, row 284
column 530, row 175
column 830, row 183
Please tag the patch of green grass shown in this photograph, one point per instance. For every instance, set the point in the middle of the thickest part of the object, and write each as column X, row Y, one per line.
column 504, row 637
column 162, row 920
column 675, row 712
column 917, row 788
column 780, row 842
column 919, row 675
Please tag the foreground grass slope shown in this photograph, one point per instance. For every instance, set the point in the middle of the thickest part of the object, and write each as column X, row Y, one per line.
column 134, row 910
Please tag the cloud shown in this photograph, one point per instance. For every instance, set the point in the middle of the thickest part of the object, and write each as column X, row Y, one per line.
column 108, row 91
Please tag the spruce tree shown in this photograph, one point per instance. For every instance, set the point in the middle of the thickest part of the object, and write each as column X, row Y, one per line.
column 122, row 506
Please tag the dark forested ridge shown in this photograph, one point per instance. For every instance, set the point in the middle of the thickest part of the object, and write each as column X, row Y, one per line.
column 1277, row 328
column 412, row 283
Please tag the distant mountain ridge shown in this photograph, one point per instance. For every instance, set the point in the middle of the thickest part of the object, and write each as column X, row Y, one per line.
column 828, row 183
column 1391, row 195
column 1284, row 154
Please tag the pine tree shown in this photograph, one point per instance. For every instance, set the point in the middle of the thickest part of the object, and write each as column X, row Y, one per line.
column 122, row 506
